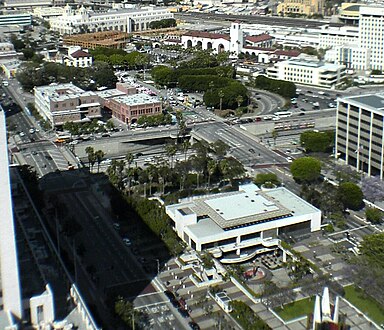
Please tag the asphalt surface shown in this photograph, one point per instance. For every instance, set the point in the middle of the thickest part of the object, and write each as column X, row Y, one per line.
column 252, row 19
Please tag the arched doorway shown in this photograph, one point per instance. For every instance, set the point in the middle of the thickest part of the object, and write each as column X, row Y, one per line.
column 220, row 48
column 189, row 43
column 199, row 45
column 209, row 45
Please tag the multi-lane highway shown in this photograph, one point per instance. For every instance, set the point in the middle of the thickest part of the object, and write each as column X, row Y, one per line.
column 242, row 145
column 251, row 19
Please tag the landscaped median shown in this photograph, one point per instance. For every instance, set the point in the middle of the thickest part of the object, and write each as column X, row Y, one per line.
column 364, row 303
column 296, row 309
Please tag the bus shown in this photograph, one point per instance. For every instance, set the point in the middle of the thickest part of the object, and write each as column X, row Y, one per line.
column 63, row 138
column 283, row 114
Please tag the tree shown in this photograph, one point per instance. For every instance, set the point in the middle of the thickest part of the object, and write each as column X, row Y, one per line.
column 262, row 178
column 374, row 215
column 350, row 195
column 99, row 155
column 221, row 94
column 91, row 156
column 372, row 248
column 211, row 169
column 239, row 100
column 317, row 141
column 220, row 148
column 129, row 315
column 373, row 188
column 170, row 150
column 306, row 169
column 274, row 134
column 109, row 125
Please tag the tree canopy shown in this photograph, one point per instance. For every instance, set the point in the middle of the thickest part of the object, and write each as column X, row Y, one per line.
column 372, row 248
column 317, row 141
column 306, row 169
column 374, row 215
column 263, row 178
column 281, row 87
column 350, row 195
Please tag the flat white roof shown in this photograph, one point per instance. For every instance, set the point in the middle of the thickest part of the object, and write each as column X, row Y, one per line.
column 137, row 99
column 241, row 205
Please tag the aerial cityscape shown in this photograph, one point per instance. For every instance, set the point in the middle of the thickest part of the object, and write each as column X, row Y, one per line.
column 191, row 165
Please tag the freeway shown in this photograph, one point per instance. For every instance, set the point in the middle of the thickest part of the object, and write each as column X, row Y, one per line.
column 252, row 19
column 242, row 146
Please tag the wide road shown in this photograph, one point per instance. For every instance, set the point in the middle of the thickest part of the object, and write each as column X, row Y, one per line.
column 242, row 146
column 252, row 19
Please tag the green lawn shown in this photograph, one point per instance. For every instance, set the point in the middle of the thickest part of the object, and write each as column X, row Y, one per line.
column 367, row 305
column 296, row 309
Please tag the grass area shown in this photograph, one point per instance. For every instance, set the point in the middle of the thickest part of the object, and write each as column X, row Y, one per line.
column 367, row 305
column 296, row 309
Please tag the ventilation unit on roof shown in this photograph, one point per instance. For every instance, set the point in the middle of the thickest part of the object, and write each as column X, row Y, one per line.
column 269, row 203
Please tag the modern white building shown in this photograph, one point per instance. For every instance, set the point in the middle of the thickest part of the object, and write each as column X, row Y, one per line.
column 360, row 133
column 10, row 282
column 48, row 12
column 20, row 19
column 242, row 223
column 308, row 70
column 331, row 36
column 125, row 20
column 365, row 52
column 27, row 3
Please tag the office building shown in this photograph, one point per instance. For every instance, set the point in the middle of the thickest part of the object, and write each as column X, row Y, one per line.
column 59, row 103
column 10, row 282
column 365, row 53
column 12, row 19
column 360, row 133
column 123, row 20
column 238, row 225
column 33, row 286
column 331, row 36
column 129, row 108
column 301, row 7
column 308, row 70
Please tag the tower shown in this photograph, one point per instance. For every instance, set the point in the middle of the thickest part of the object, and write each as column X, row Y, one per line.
column 236, row 40
column 10, row 281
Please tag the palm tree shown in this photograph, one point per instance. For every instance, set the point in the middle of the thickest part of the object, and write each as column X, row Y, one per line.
column 91, row 156
column 275, row 134
column 99, row 155
column 221, row 95
column 170, row 150
column 185, row 146
column 239, row 100
column 211, row 167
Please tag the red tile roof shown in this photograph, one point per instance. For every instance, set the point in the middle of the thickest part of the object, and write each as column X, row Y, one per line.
column 292, row 53
column 80, row 53
column 207, row 35
column 259, row 38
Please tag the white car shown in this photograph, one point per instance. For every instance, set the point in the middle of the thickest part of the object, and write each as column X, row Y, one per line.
column 22, row 134
column 127, row 241
column 289, row 159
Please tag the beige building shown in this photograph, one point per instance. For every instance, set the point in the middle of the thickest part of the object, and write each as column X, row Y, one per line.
column 129, row 108
column 301, row 7
column 66, row 102
column 360, row 133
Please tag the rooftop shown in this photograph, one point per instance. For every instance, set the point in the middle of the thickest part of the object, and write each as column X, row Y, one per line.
column 80, row 53
column 61, row 92
column 246, row 207
column 371, row 101
column 136, row 99
column 208, row 35
column 259, row 38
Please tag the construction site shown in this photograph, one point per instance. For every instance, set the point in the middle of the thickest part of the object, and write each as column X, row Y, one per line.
column 113, row 38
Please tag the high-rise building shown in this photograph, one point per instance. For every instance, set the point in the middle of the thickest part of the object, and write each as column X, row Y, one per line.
column 10, row 283
column 360, row 133
column 371, row 25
